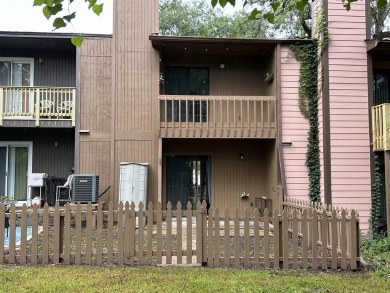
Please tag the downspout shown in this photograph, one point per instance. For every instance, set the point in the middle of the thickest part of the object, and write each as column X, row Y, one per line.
column 279, row 122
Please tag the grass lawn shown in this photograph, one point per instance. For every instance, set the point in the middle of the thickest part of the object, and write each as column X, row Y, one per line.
column 152, row 279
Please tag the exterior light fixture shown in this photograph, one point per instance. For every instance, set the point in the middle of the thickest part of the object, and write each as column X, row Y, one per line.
column 222, row 66
column 241, row 156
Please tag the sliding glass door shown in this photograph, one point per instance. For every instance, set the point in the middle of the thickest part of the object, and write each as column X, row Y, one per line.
column 15, row 165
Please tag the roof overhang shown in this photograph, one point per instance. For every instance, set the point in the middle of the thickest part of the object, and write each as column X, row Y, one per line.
column 379, row 49
column 226, row 46
column 33, row 40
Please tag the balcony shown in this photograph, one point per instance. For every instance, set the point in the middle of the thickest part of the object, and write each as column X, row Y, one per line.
column 380, row 116
column 37, row 106
column 217, row 116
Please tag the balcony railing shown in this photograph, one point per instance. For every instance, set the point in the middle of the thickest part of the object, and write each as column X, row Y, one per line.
column 37, row 103
column 217, row 116
column 380, row 116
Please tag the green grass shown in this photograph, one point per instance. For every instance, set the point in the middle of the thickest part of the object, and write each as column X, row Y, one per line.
column 147, row 279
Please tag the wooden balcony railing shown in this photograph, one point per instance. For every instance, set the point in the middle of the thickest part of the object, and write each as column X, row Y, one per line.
column 37, row 103
column 380, row 116
column 217, row 116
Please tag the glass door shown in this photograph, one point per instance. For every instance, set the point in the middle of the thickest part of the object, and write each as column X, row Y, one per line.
column 17, row 73
column 15, row 165
column 188, row 180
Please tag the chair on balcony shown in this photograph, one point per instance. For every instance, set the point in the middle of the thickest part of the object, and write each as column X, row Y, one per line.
column 65, row 108
column 46, row 107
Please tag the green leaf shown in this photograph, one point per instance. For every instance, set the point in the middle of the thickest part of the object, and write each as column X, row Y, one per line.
column 55, row 9
column 69, row 17
column 381, row 4
column 214, row 3
column 59, row 22
column 39, row 2
column 91, row 3
column 275, row 5
column 46, row 11
column 49, row 3
column 232, row 2
column 98, row 8
column 223, row 3
column 254, row 14
column 301, row 4
column 270, row 17
column 77, row 41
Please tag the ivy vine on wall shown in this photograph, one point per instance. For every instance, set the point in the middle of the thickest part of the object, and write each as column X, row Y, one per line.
column 376, row 199
column 306, row 54
column 310, row 87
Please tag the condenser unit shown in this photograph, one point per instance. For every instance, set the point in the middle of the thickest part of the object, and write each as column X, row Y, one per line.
column 85, row 188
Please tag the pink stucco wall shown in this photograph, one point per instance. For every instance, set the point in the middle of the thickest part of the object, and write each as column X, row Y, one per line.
column 349, row 108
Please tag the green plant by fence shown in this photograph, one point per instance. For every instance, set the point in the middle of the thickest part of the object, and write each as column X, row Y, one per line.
column 130, row 235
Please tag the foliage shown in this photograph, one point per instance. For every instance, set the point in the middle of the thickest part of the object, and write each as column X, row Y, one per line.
column 306, row 54
column 184, row 279
column 198, row 18
column 376, row 252
column 376, row 199
column 378, row 20
column 61, row 10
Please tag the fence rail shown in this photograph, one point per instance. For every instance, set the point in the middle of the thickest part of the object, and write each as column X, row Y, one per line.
column 37, row 103
column 151, row 236
column 217, row 116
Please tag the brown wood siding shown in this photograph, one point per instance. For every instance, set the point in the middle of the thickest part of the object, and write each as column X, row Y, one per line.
column 141, row 151
column 242, row 75
column 58, row 67
column 231, row 176
column 349, row 109
column 95, row 158
column 96, row 85
column 46, row 158
column 135, row 90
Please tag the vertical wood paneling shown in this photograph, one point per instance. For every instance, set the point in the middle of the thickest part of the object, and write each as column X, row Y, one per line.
column 95, row 158
column 58, row 67
column 349, row 108
column 242, row 75
column 294, row 128
column 231, row 176
column 96, row 85
column 46, row 158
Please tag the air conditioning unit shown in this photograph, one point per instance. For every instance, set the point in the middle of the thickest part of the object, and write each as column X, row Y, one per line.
column 85, row 188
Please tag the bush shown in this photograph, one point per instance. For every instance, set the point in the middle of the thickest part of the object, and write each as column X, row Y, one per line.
column 376, row 252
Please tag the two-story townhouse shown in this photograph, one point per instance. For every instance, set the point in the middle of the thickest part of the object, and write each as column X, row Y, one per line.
column 38, row 101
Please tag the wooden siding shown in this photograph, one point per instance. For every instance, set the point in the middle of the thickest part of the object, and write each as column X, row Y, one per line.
column 349, row 108
column 294, row 128
column 135, row 90
column 96, row 85
column 231, row 176
column 46, row 158
column 95, row 158
column 242, row 75
column 58, row 68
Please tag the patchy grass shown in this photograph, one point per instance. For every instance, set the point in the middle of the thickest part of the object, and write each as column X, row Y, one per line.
column 376, row 252
column 148, row 279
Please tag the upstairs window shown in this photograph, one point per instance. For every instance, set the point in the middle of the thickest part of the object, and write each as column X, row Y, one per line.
column 187, row 81
column 16, row 71
column 381, row 88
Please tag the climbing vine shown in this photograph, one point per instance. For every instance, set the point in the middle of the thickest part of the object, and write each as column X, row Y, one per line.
column 310, row 87
column 376, row 199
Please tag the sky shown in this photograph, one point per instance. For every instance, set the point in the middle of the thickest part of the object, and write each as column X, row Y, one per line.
column 20, row 15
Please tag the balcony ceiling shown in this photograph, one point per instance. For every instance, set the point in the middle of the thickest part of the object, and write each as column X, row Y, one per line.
column 216, row 46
